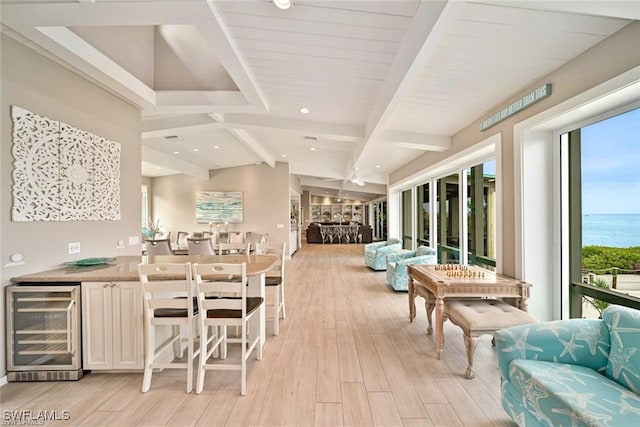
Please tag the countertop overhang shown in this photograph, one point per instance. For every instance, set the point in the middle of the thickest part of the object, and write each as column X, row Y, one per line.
column 125, row 268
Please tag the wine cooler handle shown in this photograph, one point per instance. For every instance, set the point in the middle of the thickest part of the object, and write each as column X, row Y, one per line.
column 70, row 348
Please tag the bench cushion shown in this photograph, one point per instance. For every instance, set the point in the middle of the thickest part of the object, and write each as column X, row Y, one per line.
column 480, row 316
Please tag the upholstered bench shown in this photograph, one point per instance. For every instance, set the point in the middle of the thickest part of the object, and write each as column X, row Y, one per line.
column 478, row 317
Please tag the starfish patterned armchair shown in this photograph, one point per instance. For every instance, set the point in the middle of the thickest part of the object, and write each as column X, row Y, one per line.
column 375, row 254
column 397, row 274
column 576, row 372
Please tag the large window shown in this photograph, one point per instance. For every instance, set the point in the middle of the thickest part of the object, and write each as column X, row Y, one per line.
column 481, row 214
column 448, row 219
column 423, row 209
column 452, row 207
column 379, row 220
column 604, row 213
column 407, row 235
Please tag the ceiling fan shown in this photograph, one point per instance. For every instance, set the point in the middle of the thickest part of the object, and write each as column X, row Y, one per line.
column 352, row 177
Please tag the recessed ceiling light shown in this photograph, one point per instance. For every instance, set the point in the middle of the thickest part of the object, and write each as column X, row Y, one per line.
column 196, row 149
column 216, row 147
column 304, row 110
column 282, row 4
column 312, row 148
column 283, row 155
column 176, row 152
column 377, row 166
column 158, row 167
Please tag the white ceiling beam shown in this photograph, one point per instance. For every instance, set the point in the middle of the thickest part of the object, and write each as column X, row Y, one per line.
column 201, row 109
column 627, row 9
column 213, row 29
column 156, row 128
column 307, row 127
column 416, row 141
column 199, row 97
column 312, row 171
column 170, row 162
column 173, row 130
column 86, row 58
column 45, row 24
column 418, row 44
column 200, row 102
column 24, row 15
column 252, row 144
column 176, row 122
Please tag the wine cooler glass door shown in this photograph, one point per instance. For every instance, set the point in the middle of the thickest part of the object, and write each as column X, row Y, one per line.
column 44, row 327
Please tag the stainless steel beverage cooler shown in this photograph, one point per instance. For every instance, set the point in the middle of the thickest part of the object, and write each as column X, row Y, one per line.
column 43, row 332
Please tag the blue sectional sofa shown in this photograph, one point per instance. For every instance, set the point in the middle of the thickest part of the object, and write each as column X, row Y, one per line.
column 375, row 254
column 397, row 274
column 577, row 372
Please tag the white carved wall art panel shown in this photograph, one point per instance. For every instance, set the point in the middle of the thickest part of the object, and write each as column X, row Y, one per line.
column 106, row 180
column 62, row 173
column 35, row 173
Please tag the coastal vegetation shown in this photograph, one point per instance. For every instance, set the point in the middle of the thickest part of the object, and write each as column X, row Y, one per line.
column 605, row 257
column 599, row 305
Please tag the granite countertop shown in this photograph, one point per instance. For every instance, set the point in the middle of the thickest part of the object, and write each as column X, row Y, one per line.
column 125, row 268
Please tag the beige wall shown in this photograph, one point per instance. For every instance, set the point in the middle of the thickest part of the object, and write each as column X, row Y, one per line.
column 265, row 193
column 615, row 55
column 37, row 84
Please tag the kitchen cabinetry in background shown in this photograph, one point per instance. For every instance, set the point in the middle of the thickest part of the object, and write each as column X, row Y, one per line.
column 112, row 326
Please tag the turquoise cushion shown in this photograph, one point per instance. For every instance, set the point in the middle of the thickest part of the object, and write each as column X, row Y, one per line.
column 624, row 356
column 560, row 394
column 424, row 250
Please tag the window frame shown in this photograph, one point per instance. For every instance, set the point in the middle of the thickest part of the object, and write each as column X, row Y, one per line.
column 488, row 149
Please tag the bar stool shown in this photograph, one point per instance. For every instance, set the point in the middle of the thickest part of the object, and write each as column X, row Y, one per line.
column 169, row 301
column 276, row 282
column 221, row 312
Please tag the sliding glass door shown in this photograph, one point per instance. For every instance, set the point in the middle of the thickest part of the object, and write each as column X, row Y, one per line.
column 448, row 219
column 481, row 214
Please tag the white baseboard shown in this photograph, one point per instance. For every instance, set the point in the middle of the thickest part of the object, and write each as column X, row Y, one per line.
column 3, row 381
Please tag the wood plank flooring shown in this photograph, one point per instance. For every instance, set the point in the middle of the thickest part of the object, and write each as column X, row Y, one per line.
column 346, row 355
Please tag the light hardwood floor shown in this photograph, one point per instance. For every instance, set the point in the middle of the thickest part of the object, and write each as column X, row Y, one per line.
column 346, row 355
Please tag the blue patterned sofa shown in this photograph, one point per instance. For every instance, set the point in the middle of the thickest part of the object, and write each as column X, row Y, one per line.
column 375, row 254
column 397, row 275
column 577, row 372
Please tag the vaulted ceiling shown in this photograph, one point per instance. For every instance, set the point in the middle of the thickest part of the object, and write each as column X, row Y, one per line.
column 226, row 83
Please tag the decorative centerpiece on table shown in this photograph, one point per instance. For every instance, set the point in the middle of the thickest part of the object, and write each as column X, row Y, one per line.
column 150, row 232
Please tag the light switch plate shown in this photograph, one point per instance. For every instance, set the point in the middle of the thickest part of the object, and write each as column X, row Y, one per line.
column 74, row 248
column 134, row 240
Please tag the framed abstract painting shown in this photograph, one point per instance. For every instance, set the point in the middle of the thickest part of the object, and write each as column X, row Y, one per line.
column 219, row 207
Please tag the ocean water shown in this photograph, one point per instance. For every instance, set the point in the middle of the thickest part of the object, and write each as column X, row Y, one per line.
column 620, row 231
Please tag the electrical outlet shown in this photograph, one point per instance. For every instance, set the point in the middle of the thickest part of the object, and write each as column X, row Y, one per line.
column 134, row 240
column 74, row 248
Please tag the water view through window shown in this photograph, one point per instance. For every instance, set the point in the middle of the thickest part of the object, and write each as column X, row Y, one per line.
column 610, row 205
